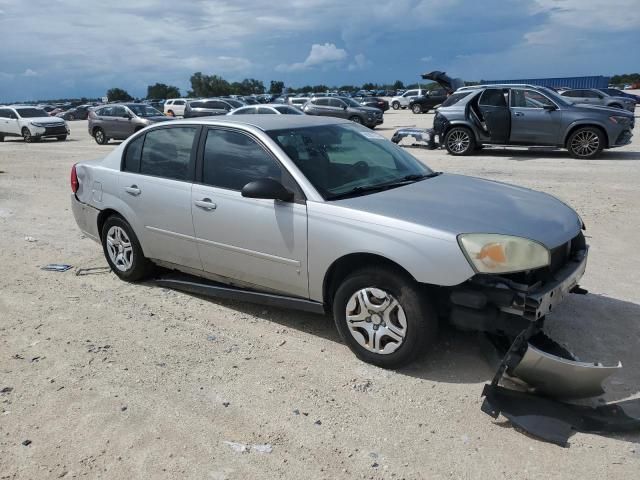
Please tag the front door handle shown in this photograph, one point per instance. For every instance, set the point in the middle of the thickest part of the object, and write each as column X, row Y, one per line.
column 519, row 114
column 205, row 204
column 133, row 190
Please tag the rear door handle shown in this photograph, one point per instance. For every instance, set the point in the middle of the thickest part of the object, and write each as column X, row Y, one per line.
column 519, row 114
column 133, row 190
column 205, row 204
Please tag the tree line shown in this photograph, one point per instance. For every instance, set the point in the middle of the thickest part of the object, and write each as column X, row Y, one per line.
column 216, row 86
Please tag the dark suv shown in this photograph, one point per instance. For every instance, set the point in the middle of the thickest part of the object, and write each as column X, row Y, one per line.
column 428, row 101
column 208, row 107
column 343, row 107
column 528, row 115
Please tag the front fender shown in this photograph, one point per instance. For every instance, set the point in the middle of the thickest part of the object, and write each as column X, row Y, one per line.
column 587, row 122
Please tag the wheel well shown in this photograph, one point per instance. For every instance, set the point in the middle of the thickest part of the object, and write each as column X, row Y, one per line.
column 102, row 217
column 93, row 131
column 138, row 129
column 348, row 264
column 615, row 105
column 587, row 125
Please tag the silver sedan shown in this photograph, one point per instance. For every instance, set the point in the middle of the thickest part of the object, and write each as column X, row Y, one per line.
column 324, row 215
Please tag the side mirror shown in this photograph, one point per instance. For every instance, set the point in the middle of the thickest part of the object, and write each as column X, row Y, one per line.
column 550, row 108
column 267, row 188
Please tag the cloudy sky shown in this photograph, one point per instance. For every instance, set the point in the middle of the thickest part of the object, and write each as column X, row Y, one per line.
column 72, row 48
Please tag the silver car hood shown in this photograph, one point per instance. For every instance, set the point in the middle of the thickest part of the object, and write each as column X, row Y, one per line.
column 459, row 204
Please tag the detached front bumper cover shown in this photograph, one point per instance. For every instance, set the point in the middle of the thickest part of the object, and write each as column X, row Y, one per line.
column 547, row 377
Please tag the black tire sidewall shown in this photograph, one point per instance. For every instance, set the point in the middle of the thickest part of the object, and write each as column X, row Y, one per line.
column 104, row 137
column 469, row 149
column 593, row 155
column 141, row 266
column 422, row 323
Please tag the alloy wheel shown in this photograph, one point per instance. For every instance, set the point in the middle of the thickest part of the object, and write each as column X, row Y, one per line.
column 585, row 143
column 376, row 320
column 99, row 135
column 119, row 248
column 458, row 141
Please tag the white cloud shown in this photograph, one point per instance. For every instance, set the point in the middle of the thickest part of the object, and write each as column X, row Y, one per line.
column 360, row 62
column 427, row 59
column 320, row 55
column 30, row 73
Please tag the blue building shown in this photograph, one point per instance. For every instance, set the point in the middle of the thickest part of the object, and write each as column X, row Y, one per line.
column 560, row 82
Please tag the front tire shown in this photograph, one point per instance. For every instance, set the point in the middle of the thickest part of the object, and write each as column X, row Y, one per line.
column 123, row 251
column 26, row 135
column 459, row 141
column 356, row 119
column 384, row 317
column 395, row 105
column 100, row 137
column 585, row 143
column 417, row 109
column 61, row 138
column 71, row 118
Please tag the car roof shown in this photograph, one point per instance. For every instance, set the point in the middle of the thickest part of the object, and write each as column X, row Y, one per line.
column 268, row 122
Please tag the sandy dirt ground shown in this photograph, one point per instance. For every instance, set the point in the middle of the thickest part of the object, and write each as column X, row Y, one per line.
column 113, row 380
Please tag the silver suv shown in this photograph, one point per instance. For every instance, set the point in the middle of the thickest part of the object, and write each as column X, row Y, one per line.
column 343, row 107
column 592, row 96
column 119, row 121
column 325, row 215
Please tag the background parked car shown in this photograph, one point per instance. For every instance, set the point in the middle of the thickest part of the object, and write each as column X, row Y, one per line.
column 528, row 115
column 77, row 113
column 343, row 107
column 593, row 96
column 402, row 101
column 429, row 100
column 175, row 107
column 375, row 102
column 30, row 123
column 614, row 92
column 272, row 109
column 298, row 102
column 118, row 121
column 208, row 107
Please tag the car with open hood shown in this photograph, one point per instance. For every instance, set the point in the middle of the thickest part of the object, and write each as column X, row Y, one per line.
column 324, row 215
column 525, row 116
column 30, row 123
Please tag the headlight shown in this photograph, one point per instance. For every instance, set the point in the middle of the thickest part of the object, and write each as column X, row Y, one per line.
column 620, row 120
column 36, row 124
column 493, row 253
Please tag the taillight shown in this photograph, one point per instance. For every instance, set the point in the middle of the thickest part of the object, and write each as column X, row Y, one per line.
column 74, row 179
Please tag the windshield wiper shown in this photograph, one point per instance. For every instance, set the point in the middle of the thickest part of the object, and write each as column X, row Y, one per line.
column 406, row 180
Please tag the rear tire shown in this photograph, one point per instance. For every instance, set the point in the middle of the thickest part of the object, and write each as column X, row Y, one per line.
column 123, row 251
column 459, row 141
column 1, row 138
column 100, row 137
column 71, row 118
column 585, row 143
column 395, row 105
column 417, row 109
column 356, row 119
column 388, row 336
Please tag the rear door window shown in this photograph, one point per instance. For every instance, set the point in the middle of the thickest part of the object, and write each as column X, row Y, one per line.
column 322, row 102
column 334, row 102
column 167, row 153
column 493, row 97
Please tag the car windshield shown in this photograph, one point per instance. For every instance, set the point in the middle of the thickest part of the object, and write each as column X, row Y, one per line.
column 144, row 111
column 31, row 112
column 285, row 110
column 234, row 103
column 555, row 96
column 348, row 160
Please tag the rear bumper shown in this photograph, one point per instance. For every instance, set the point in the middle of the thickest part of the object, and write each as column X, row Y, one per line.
column 493, row 305
column 86, row 217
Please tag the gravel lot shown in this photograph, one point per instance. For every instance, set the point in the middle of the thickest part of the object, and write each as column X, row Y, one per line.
column 112, row 380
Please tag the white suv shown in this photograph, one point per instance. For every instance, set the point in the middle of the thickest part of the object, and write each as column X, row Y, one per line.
column 31, row 124
column 402, row 101
column 175, row 107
